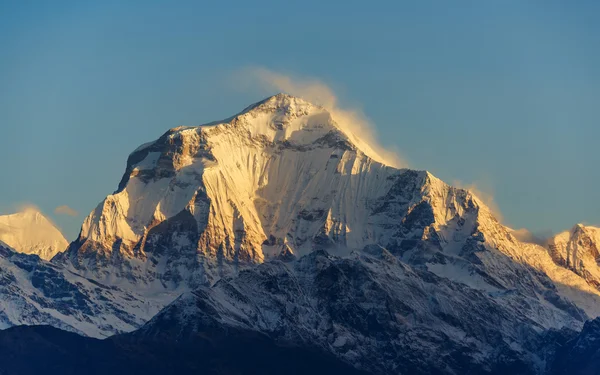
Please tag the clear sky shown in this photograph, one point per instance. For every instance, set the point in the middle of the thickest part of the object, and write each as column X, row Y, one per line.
column 502, row 94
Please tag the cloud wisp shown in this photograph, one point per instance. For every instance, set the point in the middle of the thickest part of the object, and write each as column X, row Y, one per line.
column 351, row 120
column 65, row 210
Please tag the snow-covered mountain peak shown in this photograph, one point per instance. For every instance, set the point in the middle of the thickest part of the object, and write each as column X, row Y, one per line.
column 30, row 232
column 579, row 250
column 264, row 182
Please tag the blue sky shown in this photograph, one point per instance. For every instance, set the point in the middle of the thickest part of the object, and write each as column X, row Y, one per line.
column 501, row 94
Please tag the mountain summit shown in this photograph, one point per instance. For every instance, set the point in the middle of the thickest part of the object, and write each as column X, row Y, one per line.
column 30, row 232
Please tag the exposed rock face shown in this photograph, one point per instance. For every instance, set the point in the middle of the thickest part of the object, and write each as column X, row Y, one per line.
column 30, row 232
column 578, row 250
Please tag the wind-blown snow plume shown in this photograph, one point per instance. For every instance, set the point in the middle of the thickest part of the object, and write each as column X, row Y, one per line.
column 525, row 235
column 352, row 121
column 485, row 194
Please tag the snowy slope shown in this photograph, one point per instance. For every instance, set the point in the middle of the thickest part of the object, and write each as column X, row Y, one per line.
column 34, row 291
column 29, row 232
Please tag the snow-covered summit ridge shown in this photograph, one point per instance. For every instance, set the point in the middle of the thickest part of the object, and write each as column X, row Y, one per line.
column 282, row 117
column 287, row 118
column 29, row 231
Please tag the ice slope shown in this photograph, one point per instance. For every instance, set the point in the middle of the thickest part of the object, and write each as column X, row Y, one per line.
column 30, row 232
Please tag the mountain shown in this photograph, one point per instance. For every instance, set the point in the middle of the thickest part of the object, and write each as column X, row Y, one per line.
column 30, row 232
column 578, row 250
column 279, row 228
column 34, row 291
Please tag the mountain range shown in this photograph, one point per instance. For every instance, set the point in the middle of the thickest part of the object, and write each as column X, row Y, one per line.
column 277, row 233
